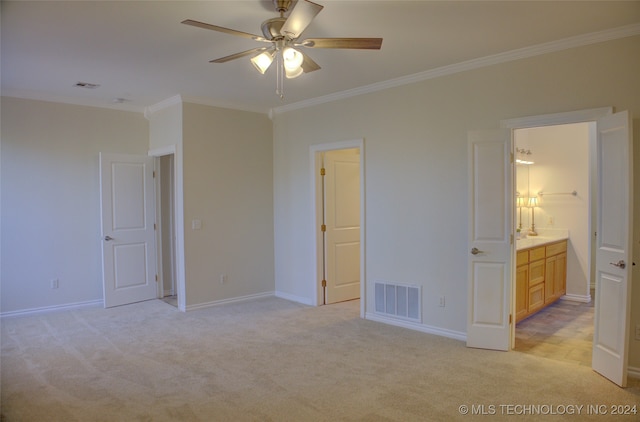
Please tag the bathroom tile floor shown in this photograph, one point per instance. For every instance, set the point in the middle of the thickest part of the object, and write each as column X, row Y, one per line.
column 562, row 331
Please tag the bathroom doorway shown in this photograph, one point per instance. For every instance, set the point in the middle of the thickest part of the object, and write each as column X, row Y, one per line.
column 554, row 166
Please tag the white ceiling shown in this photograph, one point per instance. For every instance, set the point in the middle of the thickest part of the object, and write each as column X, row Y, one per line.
column 139, row 50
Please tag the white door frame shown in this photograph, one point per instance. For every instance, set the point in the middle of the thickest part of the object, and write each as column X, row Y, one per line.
column 178, row 213
column 160, row 246
column 316, row 217
column 580, row 116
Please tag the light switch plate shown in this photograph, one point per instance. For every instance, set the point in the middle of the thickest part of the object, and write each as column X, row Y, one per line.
column 196, row 224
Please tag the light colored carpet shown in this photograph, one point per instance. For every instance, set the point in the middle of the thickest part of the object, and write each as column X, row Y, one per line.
column 272, row 360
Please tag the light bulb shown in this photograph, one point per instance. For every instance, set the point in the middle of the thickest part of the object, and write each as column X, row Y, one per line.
column 292, row 60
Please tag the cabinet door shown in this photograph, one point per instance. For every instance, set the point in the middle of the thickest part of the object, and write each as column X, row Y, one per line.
column 550, row 279
column 536, row 297
column 560, row 275
column 522, row 289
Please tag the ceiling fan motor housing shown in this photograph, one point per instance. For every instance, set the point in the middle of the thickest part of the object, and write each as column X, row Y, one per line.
column 271, row 28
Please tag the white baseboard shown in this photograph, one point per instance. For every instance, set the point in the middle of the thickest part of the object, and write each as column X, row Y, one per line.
column 230, row 300
column 456, row 335
column 294, row 298
column 633, row 372
column 55, row 308
column 577, row 298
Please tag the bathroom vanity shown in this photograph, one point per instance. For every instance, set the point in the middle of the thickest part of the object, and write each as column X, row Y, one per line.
column 541, row 273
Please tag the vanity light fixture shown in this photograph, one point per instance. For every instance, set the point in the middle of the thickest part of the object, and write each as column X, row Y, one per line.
column 533, row 203
column 523, row 156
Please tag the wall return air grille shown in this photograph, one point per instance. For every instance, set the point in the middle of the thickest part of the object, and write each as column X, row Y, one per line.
column 398, row 301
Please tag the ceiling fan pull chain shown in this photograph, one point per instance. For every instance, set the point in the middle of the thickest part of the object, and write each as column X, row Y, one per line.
column 279, row 75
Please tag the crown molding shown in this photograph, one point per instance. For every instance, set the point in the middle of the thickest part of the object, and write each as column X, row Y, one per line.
column 521, row 53
column 166, row 103
column 517, row 54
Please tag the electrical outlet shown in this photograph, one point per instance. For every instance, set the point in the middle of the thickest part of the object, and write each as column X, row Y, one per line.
column 550, row 220
column 441, row 302
column 223, row 278
column 638, row 332
column 55, row 283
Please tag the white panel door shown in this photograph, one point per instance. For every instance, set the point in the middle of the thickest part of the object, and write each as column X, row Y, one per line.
column 613, row 247
column 342, row 219
column 489, row 239
column 128, row 237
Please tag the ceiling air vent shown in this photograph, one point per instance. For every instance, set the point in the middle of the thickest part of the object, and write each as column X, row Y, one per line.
column 86, row 85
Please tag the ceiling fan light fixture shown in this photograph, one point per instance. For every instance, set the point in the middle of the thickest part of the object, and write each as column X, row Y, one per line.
column 292, row 61
column 262, row 61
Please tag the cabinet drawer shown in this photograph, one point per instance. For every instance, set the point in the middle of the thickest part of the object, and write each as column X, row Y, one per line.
column 557, row 248
column 536, row 272
column 522, row 258
column 537, row 253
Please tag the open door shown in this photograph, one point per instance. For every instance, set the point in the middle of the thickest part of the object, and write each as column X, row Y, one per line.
column 613, row 247
column 342, row 223
column 489, row 239
column 128, row 236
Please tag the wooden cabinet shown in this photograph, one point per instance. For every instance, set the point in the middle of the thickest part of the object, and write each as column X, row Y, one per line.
column 522, row 280
column 541, row 274
column 555, row 277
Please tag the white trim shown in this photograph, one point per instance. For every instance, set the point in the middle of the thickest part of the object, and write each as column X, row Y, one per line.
column 456, row 335
column 293, row 298
column 55, row 308
column 178, row 211
column 507, row 56
column 633, row 372
column 577, row 298
column 165, row 150
column 230, row 300
column 154, row 108
column 579, row 116
column 315, row 171
column 158, row 227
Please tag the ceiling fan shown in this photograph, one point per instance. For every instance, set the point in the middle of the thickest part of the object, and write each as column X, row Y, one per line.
column 281, row 36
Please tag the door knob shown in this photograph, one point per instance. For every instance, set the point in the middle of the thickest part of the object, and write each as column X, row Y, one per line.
column 108, row 238
column 620, row 264
column 476, row 251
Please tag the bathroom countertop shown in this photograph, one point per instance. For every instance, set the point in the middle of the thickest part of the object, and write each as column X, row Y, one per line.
column 544, row 237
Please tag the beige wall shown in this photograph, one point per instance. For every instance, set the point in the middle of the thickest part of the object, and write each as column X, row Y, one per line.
column 51, row 198
column 228, row 186
column 416, row 172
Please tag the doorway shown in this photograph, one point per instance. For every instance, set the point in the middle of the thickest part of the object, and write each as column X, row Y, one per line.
column 553, row 165
column 613, row 210
column 338, row 206
column 167, row 238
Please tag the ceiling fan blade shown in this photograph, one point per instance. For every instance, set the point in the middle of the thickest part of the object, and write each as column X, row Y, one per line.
column 225, row 30
column 357, row 43
column 308, row 65
column 239, row 55
column 301, row 16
